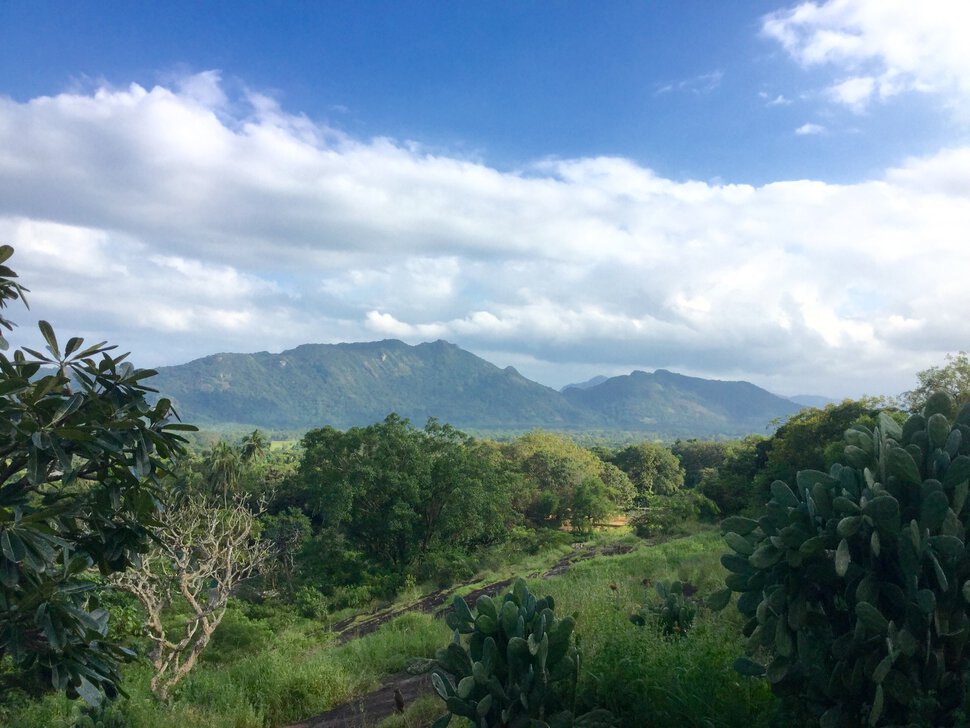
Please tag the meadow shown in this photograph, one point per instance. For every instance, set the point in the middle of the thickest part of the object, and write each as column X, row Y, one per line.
column 270, row 667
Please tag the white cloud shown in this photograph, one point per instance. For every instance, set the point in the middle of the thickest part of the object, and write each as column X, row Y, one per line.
column 705, row 83
column 881, row 47
column 178, row 222
column 810, row 129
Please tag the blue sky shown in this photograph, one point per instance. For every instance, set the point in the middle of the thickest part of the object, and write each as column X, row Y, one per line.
column 758, row 190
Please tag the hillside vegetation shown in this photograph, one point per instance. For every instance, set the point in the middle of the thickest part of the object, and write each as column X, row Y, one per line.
column 347, row 385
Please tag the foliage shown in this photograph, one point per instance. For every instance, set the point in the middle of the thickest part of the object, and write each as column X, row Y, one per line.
column 856, row 584
column 810, row 440
column 652, row 468
column 555, row 469
column 730, row 484
column 286, row 534
column 81, row 451
column 663, row 515
column 204, row 549
column 519, row 667
column 697, row 456
column 674, row 614
column 396, row 492
column 952, row 378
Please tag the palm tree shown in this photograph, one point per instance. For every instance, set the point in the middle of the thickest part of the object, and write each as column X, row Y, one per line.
column 254, row 446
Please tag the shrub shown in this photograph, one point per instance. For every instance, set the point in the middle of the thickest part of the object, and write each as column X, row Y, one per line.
column 666, row 514
column 856, row 584
column 674, row 613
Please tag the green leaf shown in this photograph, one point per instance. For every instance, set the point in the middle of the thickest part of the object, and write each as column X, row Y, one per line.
column 842, row 558
column 720, row 599
column 938, row 403
column 783, row 494
column 742, row 526
column 934, row 510
column 938, row 428
column 877, row 702
column 12, row 546
column 940, row 574
column 48, row 333
column 747, row 666
column 871, row 617
column 739, row 543
column 902, row 465
column 889, row 426
column 958, row 472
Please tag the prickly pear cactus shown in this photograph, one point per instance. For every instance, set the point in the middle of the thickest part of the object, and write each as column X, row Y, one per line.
column 674, row 614
column 518, row 669
column 856, row 583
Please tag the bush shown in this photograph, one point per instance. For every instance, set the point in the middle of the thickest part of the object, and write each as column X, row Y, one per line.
column 666, row 514
column 856, row 585
column 674, row 613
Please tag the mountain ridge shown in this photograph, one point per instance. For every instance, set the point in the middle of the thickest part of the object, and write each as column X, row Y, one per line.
column 358, row 383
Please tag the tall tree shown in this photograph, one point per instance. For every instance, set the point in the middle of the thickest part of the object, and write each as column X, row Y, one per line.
column 395, row 492
column 81, row 451
column 652, row 468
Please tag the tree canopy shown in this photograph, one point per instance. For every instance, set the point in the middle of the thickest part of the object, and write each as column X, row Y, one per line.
column 952, row 378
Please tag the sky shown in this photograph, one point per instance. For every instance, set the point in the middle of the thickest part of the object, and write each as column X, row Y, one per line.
column 762, row 190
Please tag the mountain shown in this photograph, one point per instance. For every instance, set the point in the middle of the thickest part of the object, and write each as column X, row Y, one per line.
column 344, row 385
column 812, row 400
column 585, row 385
column 681, row 406
column 358, row 384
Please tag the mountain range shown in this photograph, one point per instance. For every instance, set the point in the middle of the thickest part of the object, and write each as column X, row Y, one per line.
column 344, row 385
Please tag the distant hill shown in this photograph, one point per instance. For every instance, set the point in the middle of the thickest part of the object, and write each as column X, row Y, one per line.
column 682, row 406
column 344, row 385
column 358, row 384
column 585, row 385
column 812, row 400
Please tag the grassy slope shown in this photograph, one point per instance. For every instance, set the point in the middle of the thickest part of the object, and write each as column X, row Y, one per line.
column 271, row 668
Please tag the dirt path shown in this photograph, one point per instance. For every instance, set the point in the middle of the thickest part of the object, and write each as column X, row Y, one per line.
column 373, row 707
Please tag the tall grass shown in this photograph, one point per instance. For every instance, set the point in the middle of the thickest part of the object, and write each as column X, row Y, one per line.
column 643, row 677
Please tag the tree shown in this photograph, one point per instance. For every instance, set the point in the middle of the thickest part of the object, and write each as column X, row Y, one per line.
column 811, row 440
column 81, row 451
column 652, row 468
column 696, row 456
column 555, row 467
column 254, row 446
column 203, row 550
column 396, row 492
column 952, row 378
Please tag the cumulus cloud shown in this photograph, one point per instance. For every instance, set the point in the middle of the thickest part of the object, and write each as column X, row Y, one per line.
column 180, row 220
column 881, row 48
column 810, row 129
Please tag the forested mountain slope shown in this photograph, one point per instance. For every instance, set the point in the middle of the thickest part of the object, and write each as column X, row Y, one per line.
column 358, row 384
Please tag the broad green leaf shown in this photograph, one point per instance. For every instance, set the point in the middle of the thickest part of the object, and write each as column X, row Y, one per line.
column 902, row 465
column 48, row 333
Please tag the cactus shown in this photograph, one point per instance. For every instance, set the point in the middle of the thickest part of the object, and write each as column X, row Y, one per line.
column 518, row 668
column 856, row 583
column 674, row 614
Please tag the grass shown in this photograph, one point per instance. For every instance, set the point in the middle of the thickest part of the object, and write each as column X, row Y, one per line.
column 647, row 679
column 268, row 667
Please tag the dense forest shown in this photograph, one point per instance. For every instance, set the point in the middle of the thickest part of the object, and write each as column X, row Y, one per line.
column 151, row 577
